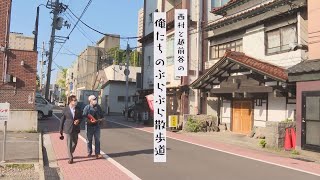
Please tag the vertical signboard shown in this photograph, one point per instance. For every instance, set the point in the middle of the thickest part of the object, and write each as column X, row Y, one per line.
column 160, row 65
column 180, row 42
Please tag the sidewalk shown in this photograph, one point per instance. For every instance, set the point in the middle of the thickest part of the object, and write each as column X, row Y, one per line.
column 222, row 142
column 83, row 167
column 22, row 156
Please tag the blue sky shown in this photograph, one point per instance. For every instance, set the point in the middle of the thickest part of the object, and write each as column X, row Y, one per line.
column 108, row 16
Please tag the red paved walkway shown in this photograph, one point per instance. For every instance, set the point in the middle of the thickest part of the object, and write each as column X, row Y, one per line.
column 83, row 167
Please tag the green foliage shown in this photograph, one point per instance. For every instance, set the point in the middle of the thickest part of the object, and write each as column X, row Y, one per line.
column 288, row 120
column 295, row 152
column 119, row 56
column 20, row 166
column 262, row 143
column 38, row 82
column 64, row 97
column 193, row 125
column 62, row 81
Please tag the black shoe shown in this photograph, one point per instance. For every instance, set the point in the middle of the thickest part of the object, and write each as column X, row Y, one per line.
column 89, row 155
column 70, row 161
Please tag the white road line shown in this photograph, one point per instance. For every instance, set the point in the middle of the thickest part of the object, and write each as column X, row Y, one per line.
column 267, row 162
column 115, row 163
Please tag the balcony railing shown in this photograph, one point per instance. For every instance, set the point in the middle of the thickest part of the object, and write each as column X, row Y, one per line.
column 170, row 13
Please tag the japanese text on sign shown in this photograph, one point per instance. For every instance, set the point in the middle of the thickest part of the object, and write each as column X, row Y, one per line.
column 180, row 42
column 160, row 79
column 4, row 111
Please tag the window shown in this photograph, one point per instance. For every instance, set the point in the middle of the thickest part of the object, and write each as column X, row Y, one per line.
column 40, row 101
column 217, row 51
column 279, row 40
column 121, row 98
column 218, row 3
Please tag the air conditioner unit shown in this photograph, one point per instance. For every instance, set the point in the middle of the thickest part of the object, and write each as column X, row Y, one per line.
column 10, row 78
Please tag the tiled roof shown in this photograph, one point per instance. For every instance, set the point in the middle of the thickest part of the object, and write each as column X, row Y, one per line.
column 218, row 9
column 260, row 66
column 244, row 12
column 264, row 68
column 305, row 67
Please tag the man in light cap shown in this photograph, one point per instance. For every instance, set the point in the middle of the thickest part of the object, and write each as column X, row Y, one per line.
column 94, row 115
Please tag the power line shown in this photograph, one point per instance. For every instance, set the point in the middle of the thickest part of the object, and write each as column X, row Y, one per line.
column 85, row 9
column 80, row 29
column 134, row 37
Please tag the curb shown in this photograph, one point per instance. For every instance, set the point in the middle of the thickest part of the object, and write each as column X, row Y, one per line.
column 41, row 164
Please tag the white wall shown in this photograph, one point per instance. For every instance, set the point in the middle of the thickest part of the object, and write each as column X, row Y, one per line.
column 116, row 90
column 151, row 6
column 212, row 106
column 260, row 114
column 226, row 112
column 276, row 108
column 290, row 113
column 23, row 121
column 148, row 68
column 254, row 45
column 114, row 73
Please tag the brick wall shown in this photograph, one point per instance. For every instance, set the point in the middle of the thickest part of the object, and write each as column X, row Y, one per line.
column 4, row 5
column 20, row 94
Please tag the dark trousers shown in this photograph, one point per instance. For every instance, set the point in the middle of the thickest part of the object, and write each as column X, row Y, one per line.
column 93, row 131
column 72, row 141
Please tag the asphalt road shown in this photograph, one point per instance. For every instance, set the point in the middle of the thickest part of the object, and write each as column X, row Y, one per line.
column 133, row 149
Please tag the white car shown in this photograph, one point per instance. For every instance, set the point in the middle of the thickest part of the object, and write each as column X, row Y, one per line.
column 61, row 104
column 43, row 107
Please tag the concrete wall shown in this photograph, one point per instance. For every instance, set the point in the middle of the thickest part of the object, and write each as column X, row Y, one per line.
column 226, row 113
column 260, row 114
column 21, row 42
column 151, row 6
column 276, row 108
column 212, row 106
column 114, row 73
column 254, row 45
column 23, row 121
column 114, row 90
column 314, row 29
column 148, row 66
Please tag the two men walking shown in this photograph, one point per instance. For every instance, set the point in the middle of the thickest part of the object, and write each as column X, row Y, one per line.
column 70, row 125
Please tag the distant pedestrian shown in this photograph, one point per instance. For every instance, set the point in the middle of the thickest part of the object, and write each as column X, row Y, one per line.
column 94, row 116
column 70, row 125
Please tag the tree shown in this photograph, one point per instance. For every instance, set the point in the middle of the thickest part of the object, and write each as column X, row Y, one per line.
column 119, row 56
column 38, row 82
column 62, row 81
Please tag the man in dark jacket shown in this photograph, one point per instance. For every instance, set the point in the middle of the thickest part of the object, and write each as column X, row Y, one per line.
column 70, row 125
column 93, row 126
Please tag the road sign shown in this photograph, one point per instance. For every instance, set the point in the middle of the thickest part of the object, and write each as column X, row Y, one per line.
column 4, row 111
column 173, row 121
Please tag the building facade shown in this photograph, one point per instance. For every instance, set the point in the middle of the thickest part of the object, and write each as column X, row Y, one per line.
column 306, row 75
column 180, row 98
column 20, row 41
column 140, row 28
column 250, row 48
column 18, row 77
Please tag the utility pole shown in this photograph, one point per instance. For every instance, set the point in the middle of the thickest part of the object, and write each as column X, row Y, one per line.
column 127, row 72
column 41, row 68
column 56, row 10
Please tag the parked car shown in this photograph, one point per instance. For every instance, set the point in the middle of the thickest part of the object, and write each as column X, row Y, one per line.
column 61, row 104
column 43, row 107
